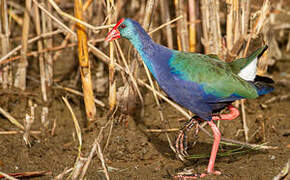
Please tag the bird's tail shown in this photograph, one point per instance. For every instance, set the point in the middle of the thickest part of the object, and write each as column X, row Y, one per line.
column 248, row 71
column 262, row 85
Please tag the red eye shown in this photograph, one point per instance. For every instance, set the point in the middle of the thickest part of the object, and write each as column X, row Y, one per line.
column 123, row 26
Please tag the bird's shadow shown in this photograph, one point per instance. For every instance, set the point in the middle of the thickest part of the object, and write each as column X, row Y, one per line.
column 200, row 148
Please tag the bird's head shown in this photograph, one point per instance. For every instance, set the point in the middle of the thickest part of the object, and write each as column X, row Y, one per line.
column 124, row 28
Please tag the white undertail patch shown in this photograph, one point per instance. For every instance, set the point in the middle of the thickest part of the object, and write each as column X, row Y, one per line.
column 248, row 73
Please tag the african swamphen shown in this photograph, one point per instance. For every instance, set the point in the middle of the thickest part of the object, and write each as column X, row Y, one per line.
column 201, row 83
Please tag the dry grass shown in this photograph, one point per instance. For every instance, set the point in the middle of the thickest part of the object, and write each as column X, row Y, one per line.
column 86, row 31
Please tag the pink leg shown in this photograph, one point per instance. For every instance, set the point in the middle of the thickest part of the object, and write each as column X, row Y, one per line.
column 234, row 113
column 215, row 146
column 210, row 168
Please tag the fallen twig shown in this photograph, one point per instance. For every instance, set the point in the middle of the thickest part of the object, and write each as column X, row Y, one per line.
column 11, row 119
column 61, row 175
column 17, row 132
column 162, row 130
column 89, row 159
column 96, row 146
column 80, row 161
column 24, row 174
column 277, row 98
column 76, row 124
column 101, row 157
column 98, row 102
column 4, row 175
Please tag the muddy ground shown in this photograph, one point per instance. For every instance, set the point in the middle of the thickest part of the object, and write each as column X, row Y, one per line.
column 134, row 154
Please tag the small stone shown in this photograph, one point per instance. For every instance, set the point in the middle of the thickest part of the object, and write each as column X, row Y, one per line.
column 272, row 157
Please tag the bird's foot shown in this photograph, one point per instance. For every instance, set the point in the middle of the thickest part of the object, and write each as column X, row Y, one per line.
column 181, row 141
column 233, row 114
column 188, row 174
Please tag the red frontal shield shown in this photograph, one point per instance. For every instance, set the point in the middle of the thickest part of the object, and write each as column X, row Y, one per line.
column 114, row 33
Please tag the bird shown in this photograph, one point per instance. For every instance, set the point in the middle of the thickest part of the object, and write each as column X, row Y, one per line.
column 201, row 83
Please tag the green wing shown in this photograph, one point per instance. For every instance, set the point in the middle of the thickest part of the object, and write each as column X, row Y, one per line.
column 238, row 64
column 215, row 76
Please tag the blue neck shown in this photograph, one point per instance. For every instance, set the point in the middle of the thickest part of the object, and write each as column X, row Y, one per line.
column 154, row 56
column 145, row 47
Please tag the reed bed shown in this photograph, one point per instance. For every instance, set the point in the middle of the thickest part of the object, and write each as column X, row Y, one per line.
column 110, row 77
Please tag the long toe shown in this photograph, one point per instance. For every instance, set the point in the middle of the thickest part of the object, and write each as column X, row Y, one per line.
column 181, row 144
column 188, row 175
column 216, row 173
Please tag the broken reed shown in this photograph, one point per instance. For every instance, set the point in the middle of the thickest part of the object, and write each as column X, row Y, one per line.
column 84, row 65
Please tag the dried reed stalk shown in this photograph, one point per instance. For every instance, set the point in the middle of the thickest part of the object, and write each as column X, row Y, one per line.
column 77, row 20
column 182, row 32
column 17, row 132
column 112, row 81
column 237, row 21
column 192, row 27
column 15, row 17
column 6, row 74
column 35, row 53
column 129, row 71
column 84, row 65
column 273, row 53
column 212, row 40
column 20, row 76
column 48, row 63
column 245, row 13
column 236, row 37
column 256, row 29
column 47, row 27
column 3, row 59
column 79, row 162
column 96, row 148
column 165, row 17
column 258, row 23
column 165, row 24
column 68, row 36
column 98, row 102
column 11, row 119
column 41, row 65
column 232, row 22
column 244, row 24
